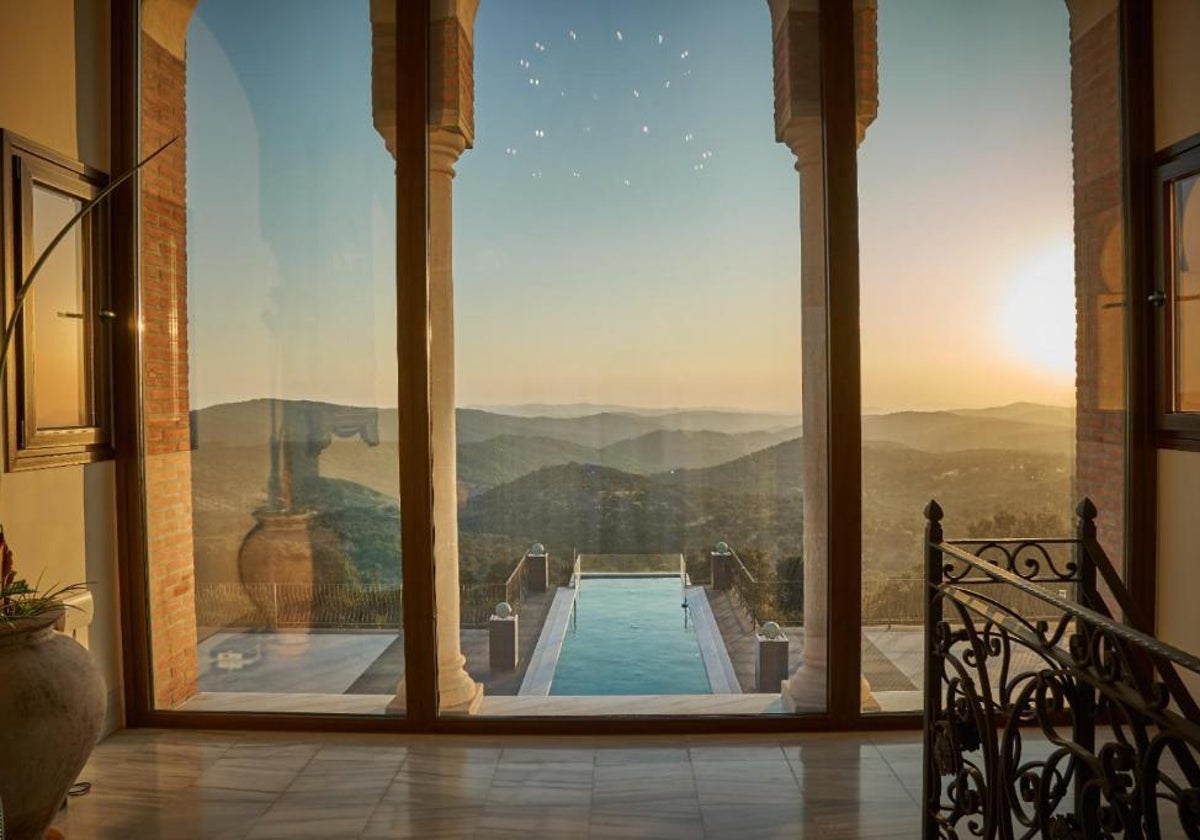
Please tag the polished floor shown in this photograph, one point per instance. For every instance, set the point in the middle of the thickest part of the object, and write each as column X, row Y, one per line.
column 195, row 785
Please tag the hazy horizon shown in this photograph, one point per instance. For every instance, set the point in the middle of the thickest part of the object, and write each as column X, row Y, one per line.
column 679, row 288
column 589, row 409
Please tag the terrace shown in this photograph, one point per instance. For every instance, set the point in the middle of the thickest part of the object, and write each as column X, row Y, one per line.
column 338, row 647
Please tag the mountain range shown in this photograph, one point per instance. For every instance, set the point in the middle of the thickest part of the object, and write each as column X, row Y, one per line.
column 628, row 481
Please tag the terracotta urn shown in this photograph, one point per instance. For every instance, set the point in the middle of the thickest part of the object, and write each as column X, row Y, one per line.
column 51, row 712
column 281, row 561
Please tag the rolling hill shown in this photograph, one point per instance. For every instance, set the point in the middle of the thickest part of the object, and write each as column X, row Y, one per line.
column 617, row 481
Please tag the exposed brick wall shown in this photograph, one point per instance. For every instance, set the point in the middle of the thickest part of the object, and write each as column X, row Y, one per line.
column 452, row 78
column 165, row 380
column 1099, row 278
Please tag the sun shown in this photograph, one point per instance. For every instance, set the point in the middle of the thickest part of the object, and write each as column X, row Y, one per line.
column 1037, row 314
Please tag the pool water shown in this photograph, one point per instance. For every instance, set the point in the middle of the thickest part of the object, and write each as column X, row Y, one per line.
column 629, row 638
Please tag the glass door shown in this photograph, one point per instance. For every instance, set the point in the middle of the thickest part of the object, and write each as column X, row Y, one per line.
column 268, row 378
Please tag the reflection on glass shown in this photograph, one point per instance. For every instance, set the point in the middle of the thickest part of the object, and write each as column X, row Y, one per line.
column 270, row 395
column 61, row 311
column 1186, row 302
column 969, row 244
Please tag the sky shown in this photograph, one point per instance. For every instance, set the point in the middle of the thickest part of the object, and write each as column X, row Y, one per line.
column 626, row 228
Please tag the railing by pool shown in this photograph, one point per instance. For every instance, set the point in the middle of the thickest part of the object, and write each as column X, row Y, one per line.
column 774, row 599
column 296, row 605
column 1121, row 749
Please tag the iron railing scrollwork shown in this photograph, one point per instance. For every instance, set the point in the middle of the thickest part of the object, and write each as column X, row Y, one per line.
column 1045, row 716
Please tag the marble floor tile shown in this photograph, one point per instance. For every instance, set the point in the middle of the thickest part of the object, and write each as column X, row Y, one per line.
column 250, row 786
column 618, row 826
column 555, row 821
column 390, row 821
column 754, row 821
column 542, row 785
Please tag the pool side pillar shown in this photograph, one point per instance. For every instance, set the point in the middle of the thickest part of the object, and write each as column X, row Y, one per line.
column 503, row 651
column 795, row 27
column 451, row 132
column 538, row 563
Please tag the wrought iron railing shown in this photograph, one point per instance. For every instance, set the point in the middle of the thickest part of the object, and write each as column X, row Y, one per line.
column 774, row 599
column 293, row 605
column 477, row 601
column 1056, row 721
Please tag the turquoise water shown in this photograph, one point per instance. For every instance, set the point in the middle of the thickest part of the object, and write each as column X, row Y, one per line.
column 629, row 639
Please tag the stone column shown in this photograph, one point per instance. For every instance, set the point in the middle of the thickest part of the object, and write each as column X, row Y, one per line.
column 451, row 132
column 798, row 124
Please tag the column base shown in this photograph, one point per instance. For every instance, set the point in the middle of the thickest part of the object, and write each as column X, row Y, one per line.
column 805, row 692
column 465, row 700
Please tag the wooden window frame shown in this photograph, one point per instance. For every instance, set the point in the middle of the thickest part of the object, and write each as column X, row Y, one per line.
column 843, row 710
column 1176, row 429
column 28, row 445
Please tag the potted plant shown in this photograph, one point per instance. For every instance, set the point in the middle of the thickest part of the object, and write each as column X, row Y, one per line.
column 51, row 692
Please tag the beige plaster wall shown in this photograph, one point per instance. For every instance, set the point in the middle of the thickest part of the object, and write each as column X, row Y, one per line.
column 1176, row 70
column 1176, row 117
column 1179, row 550
column 54, row 89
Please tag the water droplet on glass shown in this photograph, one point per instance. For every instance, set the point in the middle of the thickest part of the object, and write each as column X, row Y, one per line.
column 636, row 95
column 683, row 55
column 627, row 182
column 660, row 39
column 645, row 129
column 574, row 173
column 537, row 132
column 667, row 84
column 687, row 138
column 572, row 34
column 620, row 37
column 539, row 46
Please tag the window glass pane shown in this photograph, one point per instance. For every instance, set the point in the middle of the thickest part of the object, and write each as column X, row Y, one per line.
column 993, row 293
column 269, row 390
column 1186, row 303
column 60, row 312
column 637, row 305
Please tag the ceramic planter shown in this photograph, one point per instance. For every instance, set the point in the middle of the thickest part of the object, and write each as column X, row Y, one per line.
column 51, row 712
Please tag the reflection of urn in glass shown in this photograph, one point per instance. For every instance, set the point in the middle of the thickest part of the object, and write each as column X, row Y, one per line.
column 290, row 561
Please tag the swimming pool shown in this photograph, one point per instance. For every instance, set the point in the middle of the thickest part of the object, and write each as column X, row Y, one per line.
column 629, row 638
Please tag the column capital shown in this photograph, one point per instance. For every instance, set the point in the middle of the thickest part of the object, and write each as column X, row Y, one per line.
column 445, row 148
column 166, row 21
column 451, row 68
column 796, row 32
column 1085, row 14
